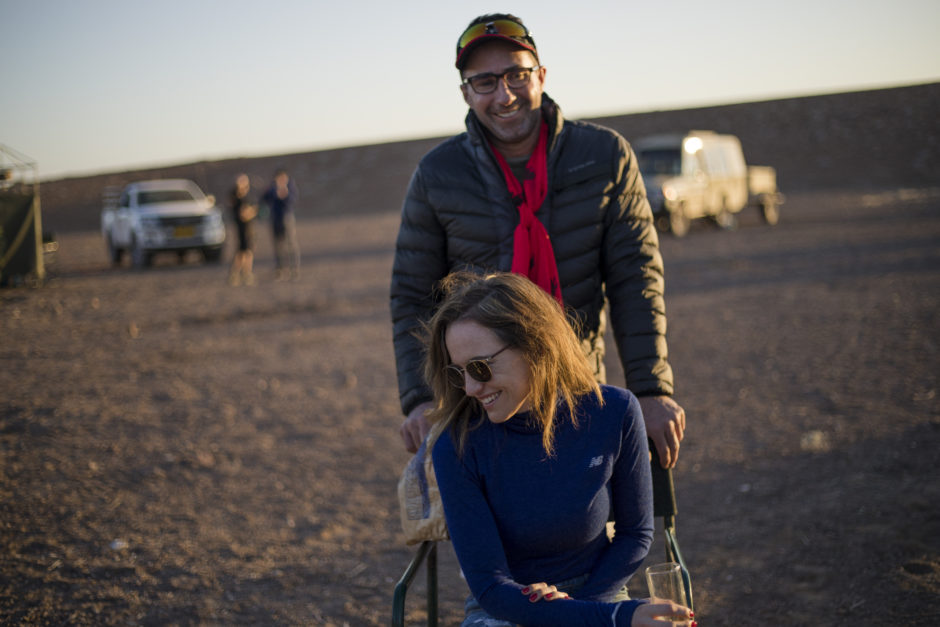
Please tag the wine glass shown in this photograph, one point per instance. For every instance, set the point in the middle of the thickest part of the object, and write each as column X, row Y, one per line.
column 665, row 582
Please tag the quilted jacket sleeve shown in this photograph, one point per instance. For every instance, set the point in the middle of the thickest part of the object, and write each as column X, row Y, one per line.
column 633, row 278
column 420, row 262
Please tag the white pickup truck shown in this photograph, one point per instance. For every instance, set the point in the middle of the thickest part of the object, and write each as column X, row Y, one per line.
column 148, row 217
column 702, row 174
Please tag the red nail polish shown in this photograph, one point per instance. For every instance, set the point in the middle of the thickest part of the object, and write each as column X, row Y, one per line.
column 525, row 590
column 694, row 624
column 549, row 595
column 691, row 614
column 534, row 597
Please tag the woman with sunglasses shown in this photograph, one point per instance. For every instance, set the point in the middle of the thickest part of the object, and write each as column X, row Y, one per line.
column 534, row 458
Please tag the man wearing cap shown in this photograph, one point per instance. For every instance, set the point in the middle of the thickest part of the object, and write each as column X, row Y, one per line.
column 527, row 191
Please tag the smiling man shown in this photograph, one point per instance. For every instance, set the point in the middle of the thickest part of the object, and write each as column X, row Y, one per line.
column 562, row 202
column 502, row 84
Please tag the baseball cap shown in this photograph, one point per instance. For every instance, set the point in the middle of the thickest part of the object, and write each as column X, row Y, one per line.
column 483, row 30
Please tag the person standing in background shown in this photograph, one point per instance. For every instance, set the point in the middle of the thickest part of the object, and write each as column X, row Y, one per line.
column 244, row 211
column 281, row 198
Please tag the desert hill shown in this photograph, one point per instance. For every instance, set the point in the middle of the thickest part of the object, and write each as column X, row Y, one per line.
column 866, row 139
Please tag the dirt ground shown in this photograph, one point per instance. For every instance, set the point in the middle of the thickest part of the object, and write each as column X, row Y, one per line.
column 177, row 451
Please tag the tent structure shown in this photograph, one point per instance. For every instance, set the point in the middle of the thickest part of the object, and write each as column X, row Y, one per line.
column 21, row 241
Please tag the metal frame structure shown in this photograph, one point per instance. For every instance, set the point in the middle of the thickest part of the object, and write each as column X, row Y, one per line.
column 426, row 551
column 18, row 169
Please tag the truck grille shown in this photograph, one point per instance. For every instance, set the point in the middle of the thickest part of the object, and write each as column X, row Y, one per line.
column 181, row 221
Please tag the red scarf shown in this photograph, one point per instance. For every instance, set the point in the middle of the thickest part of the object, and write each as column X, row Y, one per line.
column 532, row 249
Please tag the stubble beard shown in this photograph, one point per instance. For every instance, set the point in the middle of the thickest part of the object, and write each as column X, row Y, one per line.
column 518, row 133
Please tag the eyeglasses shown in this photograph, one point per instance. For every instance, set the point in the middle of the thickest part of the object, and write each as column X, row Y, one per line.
column 478, row 369
column 487, row 83
column 506, row 28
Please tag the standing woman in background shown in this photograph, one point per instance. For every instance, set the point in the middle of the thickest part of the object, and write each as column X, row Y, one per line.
column 533, row 459
column 244, row 211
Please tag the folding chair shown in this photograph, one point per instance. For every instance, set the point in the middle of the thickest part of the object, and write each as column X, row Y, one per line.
column 664, row 506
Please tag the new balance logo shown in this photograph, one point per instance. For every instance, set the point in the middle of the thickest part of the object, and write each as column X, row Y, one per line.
column 596, row 461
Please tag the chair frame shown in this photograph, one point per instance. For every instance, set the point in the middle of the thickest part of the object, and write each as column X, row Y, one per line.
column 426, row 551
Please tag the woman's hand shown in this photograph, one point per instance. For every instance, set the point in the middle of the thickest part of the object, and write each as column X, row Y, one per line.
column 538, row 591
column 659, row 613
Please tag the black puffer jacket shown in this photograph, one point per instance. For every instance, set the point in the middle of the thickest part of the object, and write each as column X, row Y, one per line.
column 458, row 215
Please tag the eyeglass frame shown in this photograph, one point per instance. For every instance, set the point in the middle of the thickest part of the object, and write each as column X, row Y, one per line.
column 463, row 371
column 502, row 76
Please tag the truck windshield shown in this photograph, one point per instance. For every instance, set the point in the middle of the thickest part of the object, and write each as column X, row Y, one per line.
column 164, row 195
column 661, row 161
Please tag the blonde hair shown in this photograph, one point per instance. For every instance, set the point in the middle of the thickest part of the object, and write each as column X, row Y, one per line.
column 530, row 321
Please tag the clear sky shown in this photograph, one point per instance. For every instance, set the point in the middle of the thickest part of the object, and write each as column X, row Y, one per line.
column 89, row 86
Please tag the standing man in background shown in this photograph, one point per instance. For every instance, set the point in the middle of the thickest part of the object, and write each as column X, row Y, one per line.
column 281, row 198
column 527, row 191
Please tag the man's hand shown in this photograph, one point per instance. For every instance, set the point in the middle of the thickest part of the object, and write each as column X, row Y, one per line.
column 665, row 425
column 415, row 427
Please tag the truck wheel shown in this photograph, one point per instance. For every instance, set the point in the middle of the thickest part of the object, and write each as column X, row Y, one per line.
column 212, row 255
column 114, row 253
column 139, row 257
column 726, row 220
column 769, row 211
column 662, row 223
column 678, row 221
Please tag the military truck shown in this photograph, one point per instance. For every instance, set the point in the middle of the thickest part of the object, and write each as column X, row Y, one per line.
column 702, row 174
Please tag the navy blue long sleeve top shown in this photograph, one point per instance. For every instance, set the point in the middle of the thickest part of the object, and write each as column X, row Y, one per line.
column 280, row 207
column 517, row 516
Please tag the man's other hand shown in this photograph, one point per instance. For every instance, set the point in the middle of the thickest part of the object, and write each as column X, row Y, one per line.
column 415, row 427
column 665, row 425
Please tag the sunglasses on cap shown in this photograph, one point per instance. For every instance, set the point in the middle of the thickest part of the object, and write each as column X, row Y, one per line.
column 478, row 369
column 506, row 29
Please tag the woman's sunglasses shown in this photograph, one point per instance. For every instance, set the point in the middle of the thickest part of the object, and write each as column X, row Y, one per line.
column 478, row 369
